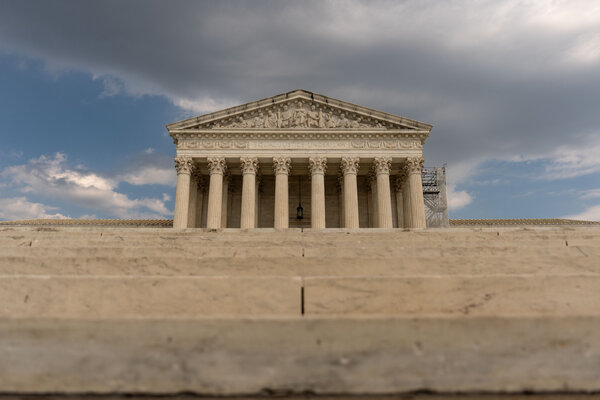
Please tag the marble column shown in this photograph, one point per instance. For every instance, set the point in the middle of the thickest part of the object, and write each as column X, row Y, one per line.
column 257, row 199
column 349, row 166
column 317, row 167
column 406, row 201
column 199, row 201
column 225, row 198
column 184, row 167
column 384, row 197
column 281, row 167
column 340, row 189
column 398, row 184
column 217, row 168
column 249, row 168
column 413, row 168
column 372, row 191
column 193, row 203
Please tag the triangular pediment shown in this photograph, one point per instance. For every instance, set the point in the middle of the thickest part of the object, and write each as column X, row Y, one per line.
column 299, row 110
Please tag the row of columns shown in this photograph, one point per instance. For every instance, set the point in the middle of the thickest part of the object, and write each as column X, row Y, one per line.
column 408, row 187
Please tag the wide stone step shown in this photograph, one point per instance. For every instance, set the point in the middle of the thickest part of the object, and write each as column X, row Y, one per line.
column 197, row 251
column 350, row 356
column 187, row 297
column 147, row 296
column 318, row 241
column 302, row 266
column 364, row 251
column 460, row 236
column 452, row 295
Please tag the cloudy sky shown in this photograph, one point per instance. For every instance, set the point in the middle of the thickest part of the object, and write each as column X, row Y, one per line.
column 86, row 88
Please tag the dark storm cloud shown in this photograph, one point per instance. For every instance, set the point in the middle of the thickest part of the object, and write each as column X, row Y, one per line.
column 497, row 79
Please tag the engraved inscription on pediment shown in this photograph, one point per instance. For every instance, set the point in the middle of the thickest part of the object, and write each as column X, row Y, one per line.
column 299, row 114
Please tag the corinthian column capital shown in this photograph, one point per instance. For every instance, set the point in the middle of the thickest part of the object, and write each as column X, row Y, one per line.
column 414, row 165
column 382, row 165
column 317, row 165
column 349, row 165
column 217, row 165
column 184, row 165
column 249, row 165
column 282, row 165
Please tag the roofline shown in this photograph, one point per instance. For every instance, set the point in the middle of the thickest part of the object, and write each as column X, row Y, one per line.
column 295, row 94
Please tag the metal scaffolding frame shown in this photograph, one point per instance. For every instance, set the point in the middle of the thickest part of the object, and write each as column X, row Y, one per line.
column 434, row 195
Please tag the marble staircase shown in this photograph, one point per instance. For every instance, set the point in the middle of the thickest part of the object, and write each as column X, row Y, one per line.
column 155, row 311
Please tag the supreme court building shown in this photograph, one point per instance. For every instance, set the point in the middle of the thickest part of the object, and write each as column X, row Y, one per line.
column 299, row 159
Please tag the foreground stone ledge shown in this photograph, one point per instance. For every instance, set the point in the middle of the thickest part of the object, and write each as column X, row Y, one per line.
column 349, row 356
column 288, row 396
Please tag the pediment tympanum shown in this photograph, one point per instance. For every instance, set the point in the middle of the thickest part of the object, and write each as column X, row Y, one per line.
column 299, row 110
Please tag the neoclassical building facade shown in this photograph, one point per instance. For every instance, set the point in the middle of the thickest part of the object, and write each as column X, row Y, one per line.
column 299, row 159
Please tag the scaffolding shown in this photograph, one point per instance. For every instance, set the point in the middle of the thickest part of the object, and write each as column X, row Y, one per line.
column 434, row 195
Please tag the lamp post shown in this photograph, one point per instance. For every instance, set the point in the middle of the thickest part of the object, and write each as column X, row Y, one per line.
column 299, row 209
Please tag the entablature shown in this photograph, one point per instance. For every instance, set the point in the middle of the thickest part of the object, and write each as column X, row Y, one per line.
column 299, row 134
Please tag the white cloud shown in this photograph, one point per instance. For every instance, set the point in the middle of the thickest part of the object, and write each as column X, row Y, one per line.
column 51, row 177
column 570, row 162
column 457, row 199
column 13, row 208
column 112, row 86
column 590, row 214
column 147, row 168
column 147, row 175
column 586, row 50
column 203, row 105
column 567, row 161
column 590, row 194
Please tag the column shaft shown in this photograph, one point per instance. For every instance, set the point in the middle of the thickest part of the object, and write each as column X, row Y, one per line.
column 257, row 201
column 199, row 201
column 340, row 188
column 184, row 166
column 350, row 169
column 192, row 207
column 248, row 217
column 282, row 167
column 399, row 203
column 225, row 200
column 406, row 203
column 414, row 166
column 373, row 213
column 217, row 168
column 317, row 167
column 384, row 197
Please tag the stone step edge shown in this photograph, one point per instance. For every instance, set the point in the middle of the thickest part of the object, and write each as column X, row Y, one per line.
column 298, row 355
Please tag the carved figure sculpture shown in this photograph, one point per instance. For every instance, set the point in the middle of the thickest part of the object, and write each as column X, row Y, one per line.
column 314, row 118
column 259, row 121
column 300, row 118
column 285, row 118
column 271, row 120
column 344, row 122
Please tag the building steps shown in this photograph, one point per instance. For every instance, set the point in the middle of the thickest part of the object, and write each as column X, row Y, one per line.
column 124, row 310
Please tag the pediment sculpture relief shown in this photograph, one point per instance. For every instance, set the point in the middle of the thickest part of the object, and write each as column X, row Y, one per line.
column 299, row 114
